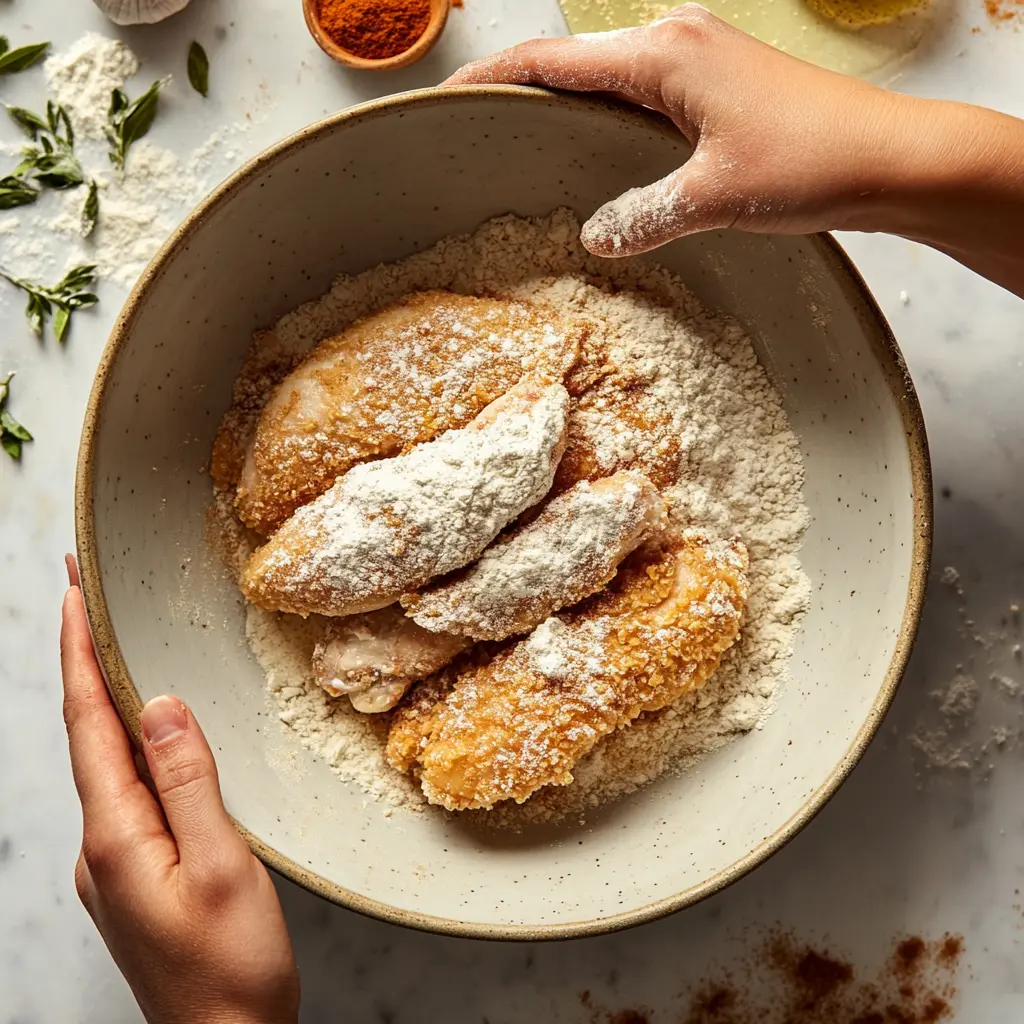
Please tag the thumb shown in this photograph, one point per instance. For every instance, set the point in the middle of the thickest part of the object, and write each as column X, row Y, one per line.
column 688, row 200
column 185, row 779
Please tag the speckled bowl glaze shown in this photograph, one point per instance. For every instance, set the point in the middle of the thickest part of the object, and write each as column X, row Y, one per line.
column 375, row 184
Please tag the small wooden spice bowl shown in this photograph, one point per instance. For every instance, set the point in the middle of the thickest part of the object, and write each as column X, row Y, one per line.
column 438, row 17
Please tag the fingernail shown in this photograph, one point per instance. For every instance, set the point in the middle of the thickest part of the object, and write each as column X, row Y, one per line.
column 71, row 564
column 163, row 720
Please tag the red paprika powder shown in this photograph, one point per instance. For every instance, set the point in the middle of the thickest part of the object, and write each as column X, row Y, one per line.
column 374, row 29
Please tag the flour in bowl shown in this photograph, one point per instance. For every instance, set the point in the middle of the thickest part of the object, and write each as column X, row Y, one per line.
column 665, row 388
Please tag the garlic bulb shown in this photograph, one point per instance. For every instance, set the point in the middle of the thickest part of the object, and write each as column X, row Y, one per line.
column 139, row 12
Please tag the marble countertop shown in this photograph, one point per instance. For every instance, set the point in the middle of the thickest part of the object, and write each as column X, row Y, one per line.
column 908, row 846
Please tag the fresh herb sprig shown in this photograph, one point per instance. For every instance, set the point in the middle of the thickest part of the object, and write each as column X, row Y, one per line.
column 128, row 120
column 91, row 210
column 21, row 58
column 12, row 434
column 50, row 161
column 60, row 301
column 199, row 69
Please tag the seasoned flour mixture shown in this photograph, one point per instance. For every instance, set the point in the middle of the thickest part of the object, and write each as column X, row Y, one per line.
column 700, row 417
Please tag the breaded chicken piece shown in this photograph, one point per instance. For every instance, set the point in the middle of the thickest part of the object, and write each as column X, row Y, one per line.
column 567, row 553
column 376, row 657
column 521, row 722
column 394, row 379
column 621, row 423
column 387, row 527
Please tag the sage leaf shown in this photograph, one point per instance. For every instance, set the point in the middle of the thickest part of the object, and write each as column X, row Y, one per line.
column 199, row 69
column 91, row 210
column 21, row 58
column 15, row 191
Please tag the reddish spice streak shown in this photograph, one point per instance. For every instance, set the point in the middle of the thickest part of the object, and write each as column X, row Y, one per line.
column 816, row 988
column 1004, row 10
column 909, row 952
column 821, row 976
column 952, row 947
column 374, row 29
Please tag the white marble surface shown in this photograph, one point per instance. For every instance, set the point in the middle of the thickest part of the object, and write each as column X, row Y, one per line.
column 902, row 848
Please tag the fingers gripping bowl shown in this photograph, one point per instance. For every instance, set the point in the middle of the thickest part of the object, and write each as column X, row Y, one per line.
column 340, row 198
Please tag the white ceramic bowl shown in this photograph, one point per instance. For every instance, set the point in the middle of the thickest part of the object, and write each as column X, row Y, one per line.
column 374, row 184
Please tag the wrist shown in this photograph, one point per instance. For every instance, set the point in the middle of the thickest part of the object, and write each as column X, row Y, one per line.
column 949, row 178
column 244, row 1017
column 230, row 1015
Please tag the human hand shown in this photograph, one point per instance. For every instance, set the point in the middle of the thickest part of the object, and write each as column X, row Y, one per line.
column 189, row 915
column 783, row 146
column 779, row 145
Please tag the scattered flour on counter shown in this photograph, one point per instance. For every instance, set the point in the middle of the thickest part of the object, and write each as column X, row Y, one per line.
column 137, row 212
column 700, row 414
column 139, row 209
column 83, row 76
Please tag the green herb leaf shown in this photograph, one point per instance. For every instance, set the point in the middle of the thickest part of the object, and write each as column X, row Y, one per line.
column 69, row 132
column 59, row 171
column 14, row 191
column 130, row 121
column 13, row 427
column 61, row 319
column 118, row 103
column 21, row 58
column 199, row 69
column 91, row 210
column 79, row 277
column 51, row 162
column 37, row 309
column 31, row 124
column 4, row 44
column 67, row 296
column 12, row 434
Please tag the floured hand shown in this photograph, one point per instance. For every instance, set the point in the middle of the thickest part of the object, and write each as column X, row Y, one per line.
column 784, row 146
column 771, row 134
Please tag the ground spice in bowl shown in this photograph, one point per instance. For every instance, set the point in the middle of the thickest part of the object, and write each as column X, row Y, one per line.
column 374, row 29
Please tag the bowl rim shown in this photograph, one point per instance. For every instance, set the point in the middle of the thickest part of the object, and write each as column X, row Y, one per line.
column 126, row 697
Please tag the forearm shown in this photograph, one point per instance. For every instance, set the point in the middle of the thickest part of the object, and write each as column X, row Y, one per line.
column 954, row 180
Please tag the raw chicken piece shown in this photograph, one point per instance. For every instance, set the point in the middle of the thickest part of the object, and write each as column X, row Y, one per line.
column 567, row 553
column 401, row 376
column 522, row 721
column 386, row 528
column 376, row 657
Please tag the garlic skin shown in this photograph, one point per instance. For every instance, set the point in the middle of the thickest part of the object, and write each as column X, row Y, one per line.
column 139, row 12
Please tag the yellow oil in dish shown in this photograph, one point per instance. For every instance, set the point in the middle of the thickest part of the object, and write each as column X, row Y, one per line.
column 857, row 37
